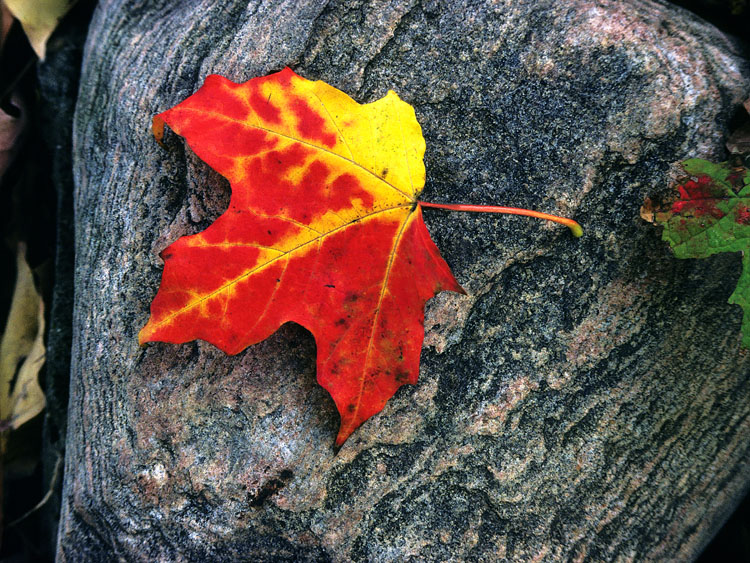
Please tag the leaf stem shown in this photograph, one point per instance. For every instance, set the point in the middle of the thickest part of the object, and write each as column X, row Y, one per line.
column 574, row 227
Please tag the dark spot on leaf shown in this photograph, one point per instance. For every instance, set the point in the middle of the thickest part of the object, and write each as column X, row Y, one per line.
column 351, row 408
column 329, row 285
column 384, row 172
column 402, row 376
column 264, row 109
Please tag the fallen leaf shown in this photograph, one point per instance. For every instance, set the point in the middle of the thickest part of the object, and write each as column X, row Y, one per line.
column 710, row 215
column 39, row 18
column 27, row 399
column 323, row 229
column 22, row 351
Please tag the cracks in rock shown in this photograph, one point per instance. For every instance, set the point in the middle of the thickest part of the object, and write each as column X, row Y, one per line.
column 375, row 57
column 316, row 39
column 270, row 488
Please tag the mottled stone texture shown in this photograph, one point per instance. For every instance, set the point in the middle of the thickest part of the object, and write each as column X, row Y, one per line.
column 587, row 400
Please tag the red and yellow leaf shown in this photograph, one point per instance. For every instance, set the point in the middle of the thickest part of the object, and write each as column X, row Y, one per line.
column 323, row 229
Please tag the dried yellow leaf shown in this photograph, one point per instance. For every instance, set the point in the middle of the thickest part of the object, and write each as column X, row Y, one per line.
column 39, row 18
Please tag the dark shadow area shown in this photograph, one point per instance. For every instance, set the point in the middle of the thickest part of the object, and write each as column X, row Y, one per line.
column 732, row 543
column 731, row 16
column 36, row 195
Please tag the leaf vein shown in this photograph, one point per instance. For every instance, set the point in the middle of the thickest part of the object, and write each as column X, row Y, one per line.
column 221, row 116
column 338, row 129
column 376, row 316
column 248, row 273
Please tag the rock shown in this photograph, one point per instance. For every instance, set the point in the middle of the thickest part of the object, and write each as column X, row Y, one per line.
column 58, row 87
column 586, row 399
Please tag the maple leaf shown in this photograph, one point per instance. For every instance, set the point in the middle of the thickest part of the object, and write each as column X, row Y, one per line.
column 323, row 229
column 711, row 215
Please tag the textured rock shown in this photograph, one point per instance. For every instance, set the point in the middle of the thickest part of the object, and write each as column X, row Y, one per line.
column 584, row 401
column 58, row 86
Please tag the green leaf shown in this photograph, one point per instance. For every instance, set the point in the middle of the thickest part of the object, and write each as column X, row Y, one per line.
column 712, row 215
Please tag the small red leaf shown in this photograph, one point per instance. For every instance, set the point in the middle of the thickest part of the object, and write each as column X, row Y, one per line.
column 699, row 198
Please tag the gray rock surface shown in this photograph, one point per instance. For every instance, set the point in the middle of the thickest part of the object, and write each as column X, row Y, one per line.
column 58, row 86
column 587, row 400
